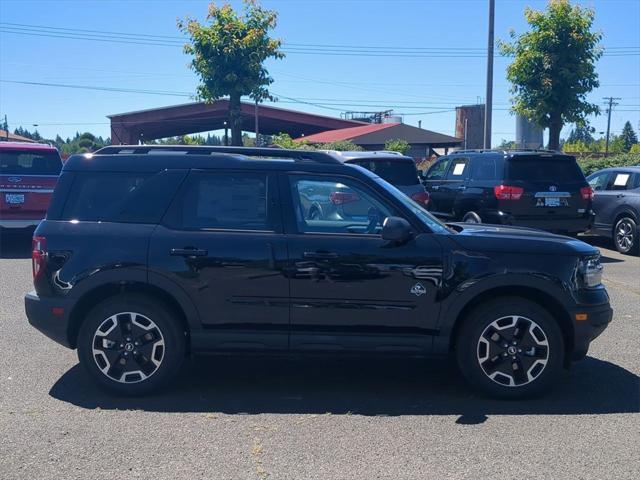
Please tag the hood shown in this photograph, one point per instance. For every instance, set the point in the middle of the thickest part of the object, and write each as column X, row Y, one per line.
column 507, row 239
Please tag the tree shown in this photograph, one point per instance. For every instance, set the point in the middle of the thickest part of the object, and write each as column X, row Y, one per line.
column 554, row 67
column 397, row 145
column 229, row 55
column 582, row 133
column 628, row 136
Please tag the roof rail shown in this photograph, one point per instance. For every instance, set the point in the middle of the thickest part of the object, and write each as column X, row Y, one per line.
column 505, row 151
column 297, row 155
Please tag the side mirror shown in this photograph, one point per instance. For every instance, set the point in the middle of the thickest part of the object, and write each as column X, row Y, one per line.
column 396, row 229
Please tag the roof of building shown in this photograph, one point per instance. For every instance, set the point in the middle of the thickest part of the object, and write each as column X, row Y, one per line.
column 379, row 133
column 13, row 137
column 188, row 118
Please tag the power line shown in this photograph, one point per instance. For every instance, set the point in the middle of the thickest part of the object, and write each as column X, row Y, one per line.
column 612, row 103
column 294, row 48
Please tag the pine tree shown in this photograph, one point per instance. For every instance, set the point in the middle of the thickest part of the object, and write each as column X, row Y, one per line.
column 628, row 136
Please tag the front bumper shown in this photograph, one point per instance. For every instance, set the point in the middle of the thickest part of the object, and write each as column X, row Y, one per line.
column 598, row 317
column 50, row 316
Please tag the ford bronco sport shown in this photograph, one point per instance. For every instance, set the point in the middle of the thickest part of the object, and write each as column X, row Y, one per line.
column 148, row 254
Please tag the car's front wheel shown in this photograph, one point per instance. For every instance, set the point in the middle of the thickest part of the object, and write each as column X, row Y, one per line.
column 510, row 348
column 131, row 344
column 625, row 236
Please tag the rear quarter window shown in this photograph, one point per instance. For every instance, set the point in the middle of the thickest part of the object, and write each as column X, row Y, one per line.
column 121, row 197
column 30, row 162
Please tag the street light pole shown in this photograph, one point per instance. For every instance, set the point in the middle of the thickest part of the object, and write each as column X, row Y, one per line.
column 488, row 107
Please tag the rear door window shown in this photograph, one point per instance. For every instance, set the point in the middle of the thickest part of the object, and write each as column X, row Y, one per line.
column 620, row 181
column 556, row 169
column 26, row 162
column 396, row 172
column 217, row 200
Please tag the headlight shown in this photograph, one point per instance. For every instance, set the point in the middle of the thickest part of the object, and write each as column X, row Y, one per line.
column 590, row 271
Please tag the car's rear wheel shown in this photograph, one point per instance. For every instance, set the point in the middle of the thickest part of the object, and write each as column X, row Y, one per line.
column 131, row 344
column 510, row 348
column 625, row 236
column 471, row 217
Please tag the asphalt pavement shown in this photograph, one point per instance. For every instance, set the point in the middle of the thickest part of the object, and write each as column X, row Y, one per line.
column 256, row 418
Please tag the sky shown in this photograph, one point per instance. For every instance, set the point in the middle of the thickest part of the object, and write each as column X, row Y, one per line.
column 422, row 58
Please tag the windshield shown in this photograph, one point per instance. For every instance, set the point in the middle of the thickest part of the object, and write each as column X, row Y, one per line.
column 29, row 162
column 435, row 225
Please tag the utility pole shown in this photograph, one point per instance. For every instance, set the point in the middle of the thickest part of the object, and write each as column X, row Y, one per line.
column 612, row 103
column 488, row 106
column 257, row 128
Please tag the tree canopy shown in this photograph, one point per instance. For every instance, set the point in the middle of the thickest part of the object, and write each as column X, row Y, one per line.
column 554, row 67
column 229, row 52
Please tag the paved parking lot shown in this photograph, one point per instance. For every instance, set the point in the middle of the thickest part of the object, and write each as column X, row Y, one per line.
column 295, row 419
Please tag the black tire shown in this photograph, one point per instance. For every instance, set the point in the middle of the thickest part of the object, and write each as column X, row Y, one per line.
column 149, row 364
column 625, row 236
column 528, row 354
column 471, row 217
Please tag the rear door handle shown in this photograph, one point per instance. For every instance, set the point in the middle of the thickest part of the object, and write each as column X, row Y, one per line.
column 188, row 252
column 462, row 188
column 435, row 187
column 320, row 255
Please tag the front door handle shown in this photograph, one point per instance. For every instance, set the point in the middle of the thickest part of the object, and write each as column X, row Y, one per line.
column 320, row 255
column 462, row 188
column 435, row 187
column 188, row 252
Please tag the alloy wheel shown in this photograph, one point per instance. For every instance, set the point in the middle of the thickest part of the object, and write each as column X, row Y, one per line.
column 128, row 347
column 625, row 235
column 513, row 351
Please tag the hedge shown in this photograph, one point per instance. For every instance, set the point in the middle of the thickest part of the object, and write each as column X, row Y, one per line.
column 590, row 165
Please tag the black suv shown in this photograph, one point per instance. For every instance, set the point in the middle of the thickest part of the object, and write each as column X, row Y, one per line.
column 148, row 254
column 539, row 189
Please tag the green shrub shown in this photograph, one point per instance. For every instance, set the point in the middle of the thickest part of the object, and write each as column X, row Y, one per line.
column 397, row 145
column 590, row 165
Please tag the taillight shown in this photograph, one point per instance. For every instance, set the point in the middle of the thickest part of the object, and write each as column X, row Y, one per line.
column 506, row 192
column 38, row 256
column 340, row 198
column 586, row 193
column 420, row 197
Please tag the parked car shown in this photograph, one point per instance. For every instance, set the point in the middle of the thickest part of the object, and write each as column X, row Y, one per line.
column 397, row 169
column 539, row 189
column 148, row 253
column 28, row 174
column 617, row 206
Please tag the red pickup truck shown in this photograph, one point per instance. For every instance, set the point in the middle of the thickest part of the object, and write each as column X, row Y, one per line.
column 28, row 175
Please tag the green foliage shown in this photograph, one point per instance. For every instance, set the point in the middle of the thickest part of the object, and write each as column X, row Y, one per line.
column 341, row 146
column 229, row 54
column 554, row 67
column 635, row 148
column 188, row 140
column 582, row 133
column 284, row 140
column 507, row 145
column 628, row 136
column 590, row 165
column 397, row 145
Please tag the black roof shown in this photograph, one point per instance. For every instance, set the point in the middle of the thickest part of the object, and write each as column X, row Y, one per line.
column 154, row 158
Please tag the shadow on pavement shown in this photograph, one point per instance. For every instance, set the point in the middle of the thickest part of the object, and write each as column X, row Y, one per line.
column 361, row 387
column 15, row 244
